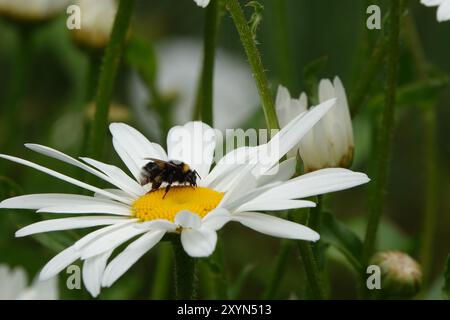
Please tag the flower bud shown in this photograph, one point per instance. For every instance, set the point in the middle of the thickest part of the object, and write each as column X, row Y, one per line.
column 97, row 19
column 330, row 142
column 401, row 275
column 32, row 11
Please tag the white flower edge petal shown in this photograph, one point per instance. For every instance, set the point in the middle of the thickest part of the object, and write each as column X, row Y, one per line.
column 316, row 183
column 88, row 208
column 443, row 12
column 128, row 257
column 110, row 241
column 187, row 219
column 198, row 242
column 59, row 263
column 65, row 178
column 41, row 200
column 120, row 178
column 280, row 172
column 275, row 205
column 275, row 227
column 133, row 147
column 67, row 224
column 216, row 219
column 194, row 143
column 93, row 269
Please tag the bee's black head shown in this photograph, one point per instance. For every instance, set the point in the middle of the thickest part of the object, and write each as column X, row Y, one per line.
column 191, row 177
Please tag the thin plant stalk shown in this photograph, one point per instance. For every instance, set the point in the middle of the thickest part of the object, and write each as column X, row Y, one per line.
column 108, row 75
column 278, row 271
column 185, row 277
column 255, row 61
column 205, row 94
column 426, row 252
column 385, row 133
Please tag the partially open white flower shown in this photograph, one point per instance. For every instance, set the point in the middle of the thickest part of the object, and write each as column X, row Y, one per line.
column 97, row 20
column 244, row 182
column 13, row 286
column 32, row 10
column 443, row 11
column 330, row 143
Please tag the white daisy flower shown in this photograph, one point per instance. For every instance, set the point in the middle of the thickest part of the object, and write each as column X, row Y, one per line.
column 330, row 143
column 97, row 20
column 13, row 286
column 32, row 10
column 236, row 189
column 443, row 11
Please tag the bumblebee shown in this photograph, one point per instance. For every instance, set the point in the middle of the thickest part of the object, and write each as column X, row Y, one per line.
column 158, row 171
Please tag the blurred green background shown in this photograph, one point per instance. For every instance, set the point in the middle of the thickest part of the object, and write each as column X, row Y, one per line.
column 52, row 110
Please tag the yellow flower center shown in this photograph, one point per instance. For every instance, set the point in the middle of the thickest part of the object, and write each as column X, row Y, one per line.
column 198, row 200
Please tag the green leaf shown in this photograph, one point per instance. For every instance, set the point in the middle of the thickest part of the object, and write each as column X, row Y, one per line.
column 342, row 238
column 446, row 288
column 422, row 93
column 140, row 55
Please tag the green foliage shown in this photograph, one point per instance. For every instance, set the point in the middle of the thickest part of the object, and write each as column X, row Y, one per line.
column 342, row 238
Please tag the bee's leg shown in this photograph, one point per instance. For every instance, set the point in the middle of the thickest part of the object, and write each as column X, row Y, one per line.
column 169, row 184
column 156, row 185
column 167, row 189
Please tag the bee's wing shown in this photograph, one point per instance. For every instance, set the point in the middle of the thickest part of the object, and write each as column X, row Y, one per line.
column 161, row 163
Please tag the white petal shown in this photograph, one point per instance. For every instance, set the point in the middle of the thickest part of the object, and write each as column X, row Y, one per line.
column 41, row 290
column 216, row 219
column 244, row 183
column 87, row 208
column 42, row 200
column 443, row 12
column 49, row 152
column 93, row 269
column 123, row 261
column 65, row 178
column 202, row 3
column 274, row 205
column 198, row 243
column 187, row 219
column 59, row 263
column 158, row 224
column 280, row 172
column 276, row 227
column 66, row 224
column 432, row 3
column 110, row 241
column 133, row 147
column 91, row 237
column 315, row 183
column 117, row 192
column 12, row 282
column 194, row 144
column 119, row 178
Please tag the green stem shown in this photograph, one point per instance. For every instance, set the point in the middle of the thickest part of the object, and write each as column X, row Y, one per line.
column 426, row 252
column 184, row 272
column 218, row 272
column 311, row 269
column 313, row 275
column 108, row 75
column 256, row 65
column 385, row 133
column 204, row 105
column 162, row 273
column 278, row 271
